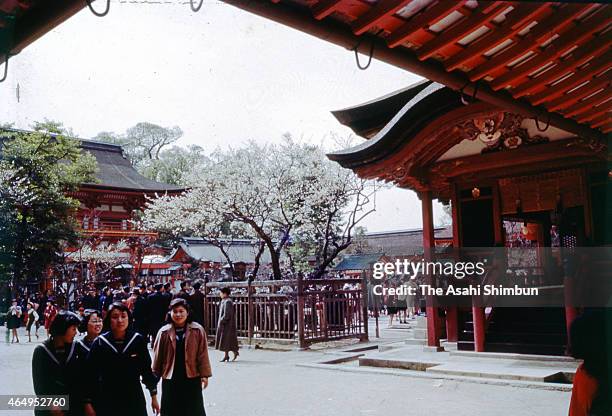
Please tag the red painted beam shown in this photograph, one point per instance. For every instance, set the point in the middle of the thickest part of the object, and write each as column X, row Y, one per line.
column 595, row 67
column 515, row 21
column 570, row 98
column 579, row 57
column 461, row 29
column 434, row 13
column 379, row 12
column 324, row 8
column 557, row 22
column 579, row 35
column 588, row 104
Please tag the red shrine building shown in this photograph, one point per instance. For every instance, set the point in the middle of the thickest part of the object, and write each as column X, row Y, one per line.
column 511, row 128
column 107, row 207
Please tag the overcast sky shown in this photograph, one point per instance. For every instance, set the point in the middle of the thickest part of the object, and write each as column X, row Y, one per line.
column 222, row 75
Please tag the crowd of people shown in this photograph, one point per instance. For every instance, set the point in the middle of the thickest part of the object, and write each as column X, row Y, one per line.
column 102, row 369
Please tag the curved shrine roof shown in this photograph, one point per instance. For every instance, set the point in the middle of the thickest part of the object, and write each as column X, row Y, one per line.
column 116, row 171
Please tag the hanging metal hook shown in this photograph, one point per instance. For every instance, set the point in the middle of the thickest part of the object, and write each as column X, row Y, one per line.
column 6, row 55
column 104, row 13
column 370, row 55
column 196, row 9
column 366, row 66
column 462, row 95
column 537, row 123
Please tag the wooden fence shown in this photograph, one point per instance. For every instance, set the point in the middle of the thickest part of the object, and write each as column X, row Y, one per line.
column 304, row 311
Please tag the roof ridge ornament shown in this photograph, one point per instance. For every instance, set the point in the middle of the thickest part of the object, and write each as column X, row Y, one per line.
column 102, row 14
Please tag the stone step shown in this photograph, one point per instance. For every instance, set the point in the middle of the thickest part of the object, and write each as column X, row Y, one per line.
column 505, row 372
column 411, row 341
column 512, row 356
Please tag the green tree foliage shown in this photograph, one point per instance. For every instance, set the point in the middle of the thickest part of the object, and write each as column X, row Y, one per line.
column 146, row 146
column 37, row 169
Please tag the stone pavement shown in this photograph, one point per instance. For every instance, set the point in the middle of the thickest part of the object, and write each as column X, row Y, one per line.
column 264, row 382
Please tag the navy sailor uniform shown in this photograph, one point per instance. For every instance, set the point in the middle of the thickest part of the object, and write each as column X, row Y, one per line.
column 116, row 369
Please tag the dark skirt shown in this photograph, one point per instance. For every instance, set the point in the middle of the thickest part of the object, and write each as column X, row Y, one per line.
column 125, row 402
column 182, row 397
column 13, row 322
column 392, row 310
column 29, row 324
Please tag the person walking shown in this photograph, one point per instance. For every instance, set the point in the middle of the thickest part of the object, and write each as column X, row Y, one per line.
column 32, row 320
column 140, row 313
column 402, row 303
column 196, row 302
column 117, row 360
column 54, row 365
column 391, row 303
column 227, row 338
column 184, row 292
column 50, row 312
column 180, row 358
column 14, row 320
column 157, row 309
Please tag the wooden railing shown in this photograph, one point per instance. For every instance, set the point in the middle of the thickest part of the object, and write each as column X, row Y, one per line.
column 304, row 311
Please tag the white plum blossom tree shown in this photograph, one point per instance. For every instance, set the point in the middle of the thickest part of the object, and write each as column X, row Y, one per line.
column 289, row 197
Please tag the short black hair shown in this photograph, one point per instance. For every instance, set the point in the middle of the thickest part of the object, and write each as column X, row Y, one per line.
column 167, row 286
column 86, row 317
column 226, row 290
column 62, row 321
column 158, row 286
column 183, row 284
column 119, row 306
column 179, row 302
column 197, row 285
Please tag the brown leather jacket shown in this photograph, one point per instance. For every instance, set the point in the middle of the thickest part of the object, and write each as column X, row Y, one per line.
column 197, row 363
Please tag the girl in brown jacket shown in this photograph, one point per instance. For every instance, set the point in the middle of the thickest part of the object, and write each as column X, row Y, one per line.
column 181, row 360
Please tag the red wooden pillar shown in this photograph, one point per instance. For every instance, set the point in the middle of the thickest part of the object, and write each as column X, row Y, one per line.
column 571, row 312
column 452, row 323
column 478, row 315
column 452, row 331
column 433, row 324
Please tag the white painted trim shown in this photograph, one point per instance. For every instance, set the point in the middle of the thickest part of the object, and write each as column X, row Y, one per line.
column 50, row 354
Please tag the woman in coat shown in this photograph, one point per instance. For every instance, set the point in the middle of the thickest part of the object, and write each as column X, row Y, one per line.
column 117, row 361
column 181, row 360
column 227, row 338
column 54, row 365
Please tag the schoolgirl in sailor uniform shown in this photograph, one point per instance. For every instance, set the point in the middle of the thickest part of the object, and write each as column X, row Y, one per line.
column 54, row 365
column 117, row 361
